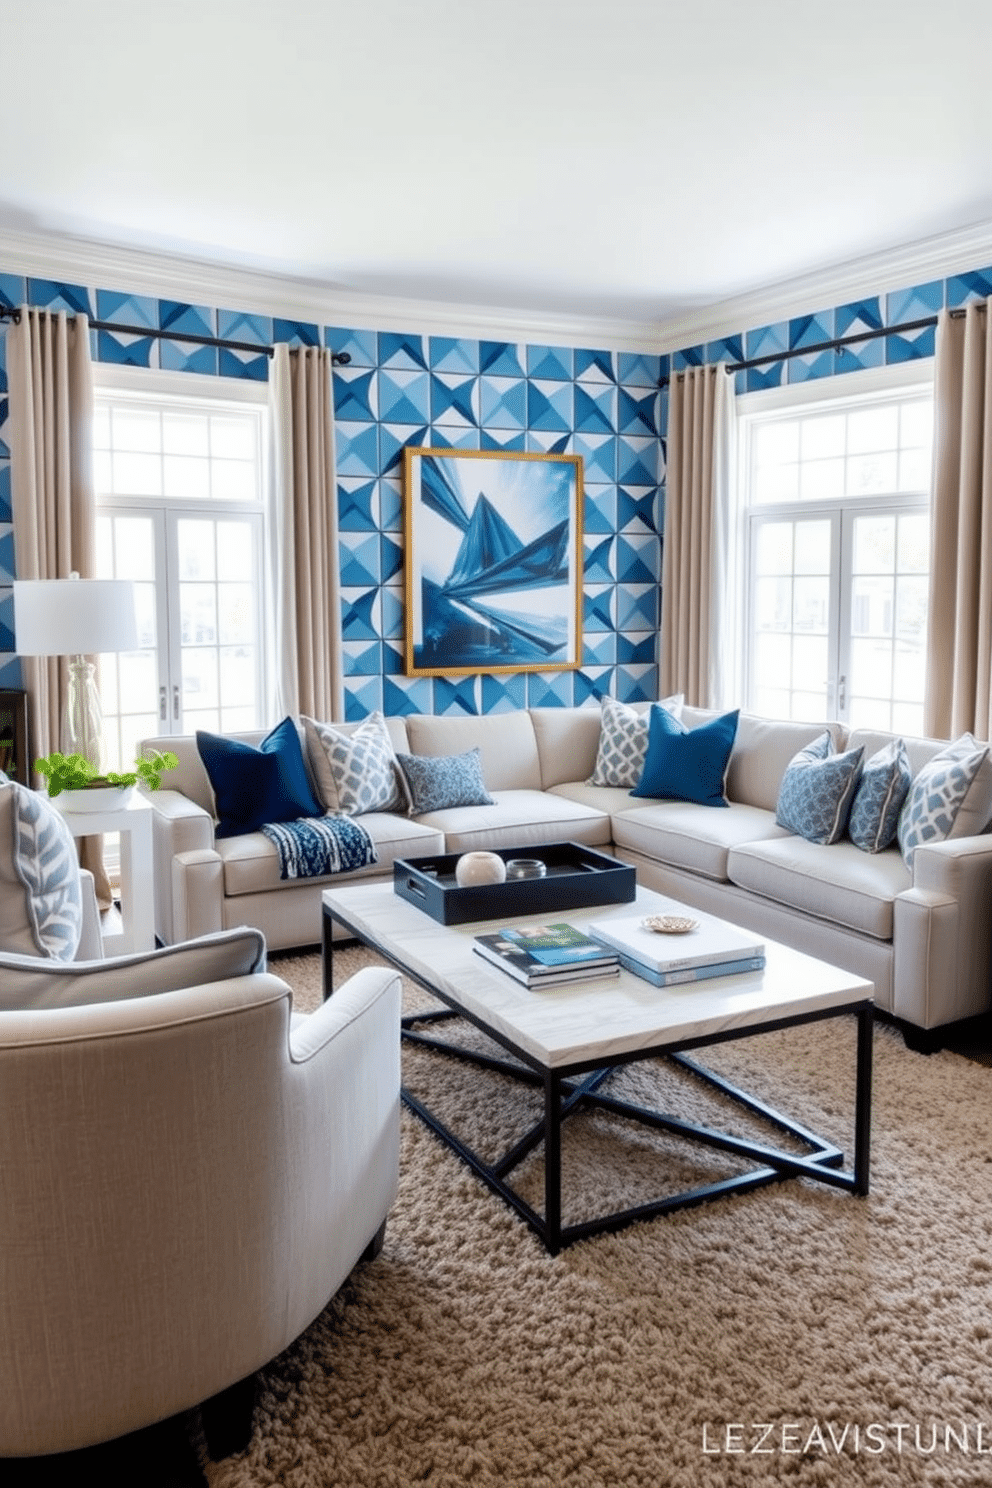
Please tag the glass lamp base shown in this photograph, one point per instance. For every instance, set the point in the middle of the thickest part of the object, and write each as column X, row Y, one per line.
column 82, row 722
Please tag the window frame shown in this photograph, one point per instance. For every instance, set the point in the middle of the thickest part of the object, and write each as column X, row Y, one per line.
column 204, row 393
column 860, row 389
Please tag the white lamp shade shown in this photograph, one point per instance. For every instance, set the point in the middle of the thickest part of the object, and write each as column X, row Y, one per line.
column 73, row 617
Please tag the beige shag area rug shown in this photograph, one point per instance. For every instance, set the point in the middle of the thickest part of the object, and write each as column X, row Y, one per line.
column 795, row 1334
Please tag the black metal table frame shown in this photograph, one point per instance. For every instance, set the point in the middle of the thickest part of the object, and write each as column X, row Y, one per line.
column 569, row 1087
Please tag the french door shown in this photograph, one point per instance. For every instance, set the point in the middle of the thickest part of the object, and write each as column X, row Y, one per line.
column 197, row 576
column 838, row 613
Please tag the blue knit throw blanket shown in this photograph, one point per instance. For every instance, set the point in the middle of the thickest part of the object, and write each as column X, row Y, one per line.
column 314, row 846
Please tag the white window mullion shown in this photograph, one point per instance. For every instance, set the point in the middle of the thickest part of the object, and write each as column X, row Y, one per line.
column 842, row 622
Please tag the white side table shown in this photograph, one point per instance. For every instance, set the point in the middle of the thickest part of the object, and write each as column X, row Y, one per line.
column 134, row 823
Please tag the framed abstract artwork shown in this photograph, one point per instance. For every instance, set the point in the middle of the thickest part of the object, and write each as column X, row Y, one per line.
column 493, row 561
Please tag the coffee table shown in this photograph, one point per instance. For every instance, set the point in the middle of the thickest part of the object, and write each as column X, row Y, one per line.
column 570, row 1039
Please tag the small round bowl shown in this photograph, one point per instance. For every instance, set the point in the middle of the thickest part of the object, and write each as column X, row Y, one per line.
column 670, row 924
column 525, row 868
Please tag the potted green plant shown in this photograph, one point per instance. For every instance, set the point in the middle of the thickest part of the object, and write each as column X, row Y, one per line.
column 85, row 789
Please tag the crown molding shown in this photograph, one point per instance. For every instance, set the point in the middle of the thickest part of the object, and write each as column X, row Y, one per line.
column 128, row 270
column 876, row 273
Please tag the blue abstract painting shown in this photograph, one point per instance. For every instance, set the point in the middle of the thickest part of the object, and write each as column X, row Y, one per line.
column 493, row 561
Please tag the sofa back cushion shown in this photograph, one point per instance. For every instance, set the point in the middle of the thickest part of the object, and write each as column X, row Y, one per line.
column 567, row 742
column 506, row 742
column 762, row 751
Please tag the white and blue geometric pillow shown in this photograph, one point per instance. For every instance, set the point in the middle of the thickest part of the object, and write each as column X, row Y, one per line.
column 357, row 771
column 937, row 798
column 884, row 786
column 814, row 799
column 42, row 910
column 623, row 741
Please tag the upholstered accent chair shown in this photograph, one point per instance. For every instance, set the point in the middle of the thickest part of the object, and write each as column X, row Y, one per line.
column 188, row 1172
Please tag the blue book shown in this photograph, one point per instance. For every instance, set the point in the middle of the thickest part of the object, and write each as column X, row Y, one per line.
column 691, row 973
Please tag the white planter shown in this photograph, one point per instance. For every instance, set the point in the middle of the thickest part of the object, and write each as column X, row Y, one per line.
column 96, row 798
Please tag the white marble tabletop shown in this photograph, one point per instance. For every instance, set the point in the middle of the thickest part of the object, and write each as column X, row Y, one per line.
column 589, row 1020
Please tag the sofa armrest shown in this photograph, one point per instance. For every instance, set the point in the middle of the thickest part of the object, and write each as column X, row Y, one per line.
column 179, row 825
column 342, row 1110
column 943, row 933
column 197, row 898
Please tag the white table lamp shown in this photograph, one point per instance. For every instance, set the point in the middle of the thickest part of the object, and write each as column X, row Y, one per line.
column 76, row 618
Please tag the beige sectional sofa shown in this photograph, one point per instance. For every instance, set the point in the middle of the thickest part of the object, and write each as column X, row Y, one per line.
column 924, row 938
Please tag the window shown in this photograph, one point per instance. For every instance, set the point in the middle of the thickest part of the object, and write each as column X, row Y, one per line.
column 181, row 512
column 836, row 501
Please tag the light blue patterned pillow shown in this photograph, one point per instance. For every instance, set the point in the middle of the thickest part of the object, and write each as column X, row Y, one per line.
column 42, row 909
column 437, row 781
column 885, row 782
column 814, row 799
column 938, row 795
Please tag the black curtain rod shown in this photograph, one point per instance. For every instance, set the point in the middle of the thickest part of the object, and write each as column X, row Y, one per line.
column 338, row 358
column 837, row 344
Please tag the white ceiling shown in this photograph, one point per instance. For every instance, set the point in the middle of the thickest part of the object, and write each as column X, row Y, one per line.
column 630, row 159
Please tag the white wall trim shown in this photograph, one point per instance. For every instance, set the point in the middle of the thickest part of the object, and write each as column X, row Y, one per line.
column 154, row 382
column 135, row 271
column 877, row 273
column 869, row 382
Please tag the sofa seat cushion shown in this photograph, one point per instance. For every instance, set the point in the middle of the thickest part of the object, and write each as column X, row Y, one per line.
column 838, row 883
column 691, row 836
column 519, row 818
column 609, row 798
column 251, row 862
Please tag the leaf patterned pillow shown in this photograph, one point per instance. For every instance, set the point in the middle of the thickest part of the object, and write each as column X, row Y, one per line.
column 41, row 900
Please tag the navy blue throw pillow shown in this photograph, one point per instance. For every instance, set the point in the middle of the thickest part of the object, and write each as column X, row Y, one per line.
column 687, row 764
column 257, row 784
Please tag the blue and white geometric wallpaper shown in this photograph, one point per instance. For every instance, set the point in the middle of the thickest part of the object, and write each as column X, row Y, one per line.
column 873, row 313
column 402, row 389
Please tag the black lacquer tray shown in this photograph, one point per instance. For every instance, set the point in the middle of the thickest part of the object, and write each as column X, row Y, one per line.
column 576, row 877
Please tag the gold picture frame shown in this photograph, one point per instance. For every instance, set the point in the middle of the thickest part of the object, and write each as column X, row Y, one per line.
column 493, row 561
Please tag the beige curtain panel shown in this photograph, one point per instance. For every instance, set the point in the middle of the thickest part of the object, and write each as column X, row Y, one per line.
column 50, row 382
column 305, row 579
column 696, row 540
column 959, row 639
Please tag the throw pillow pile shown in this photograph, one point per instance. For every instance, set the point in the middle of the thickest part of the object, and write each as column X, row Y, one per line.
column 823, row 795
column 623, row 741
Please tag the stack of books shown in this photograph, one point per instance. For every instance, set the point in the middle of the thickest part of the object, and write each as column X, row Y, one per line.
column 714, row 948
column 548, row 955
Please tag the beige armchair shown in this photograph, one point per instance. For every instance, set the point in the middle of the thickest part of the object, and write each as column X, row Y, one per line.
column 186, row 1179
